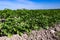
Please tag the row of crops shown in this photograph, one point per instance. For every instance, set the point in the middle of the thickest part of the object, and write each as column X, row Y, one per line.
column 23, row 20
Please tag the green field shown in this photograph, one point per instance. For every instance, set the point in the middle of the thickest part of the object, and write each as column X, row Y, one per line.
column 24, row 20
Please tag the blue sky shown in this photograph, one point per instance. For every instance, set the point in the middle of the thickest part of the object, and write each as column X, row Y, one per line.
column 30, row 4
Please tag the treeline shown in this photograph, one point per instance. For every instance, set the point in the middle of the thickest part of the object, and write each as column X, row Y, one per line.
column 24, row 20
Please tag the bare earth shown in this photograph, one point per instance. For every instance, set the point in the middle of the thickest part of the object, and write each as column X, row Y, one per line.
column 37, row 35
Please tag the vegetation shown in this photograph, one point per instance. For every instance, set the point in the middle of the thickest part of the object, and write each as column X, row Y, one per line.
column 23, row 20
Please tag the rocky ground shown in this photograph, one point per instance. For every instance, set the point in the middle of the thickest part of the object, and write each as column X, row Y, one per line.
column 50, row 34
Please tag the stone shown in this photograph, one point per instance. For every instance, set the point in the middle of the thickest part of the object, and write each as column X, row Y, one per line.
column 57, row 28
column 52, row 31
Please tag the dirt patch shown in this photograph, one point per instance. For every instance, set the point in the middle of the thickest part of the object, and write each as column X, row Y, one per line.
column 50, row 34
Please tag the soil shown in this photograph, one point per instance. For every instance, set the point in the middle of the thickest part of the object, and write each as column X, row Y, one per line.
column 43, row 34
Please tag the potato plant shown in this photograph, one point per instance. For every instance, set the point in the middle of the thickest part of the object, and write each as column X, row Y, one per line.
column 20, row 21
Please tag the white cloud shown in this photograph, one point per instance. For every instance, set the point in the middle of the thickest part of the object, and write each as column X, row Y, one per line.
column 15, row 5
column 26, row 4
